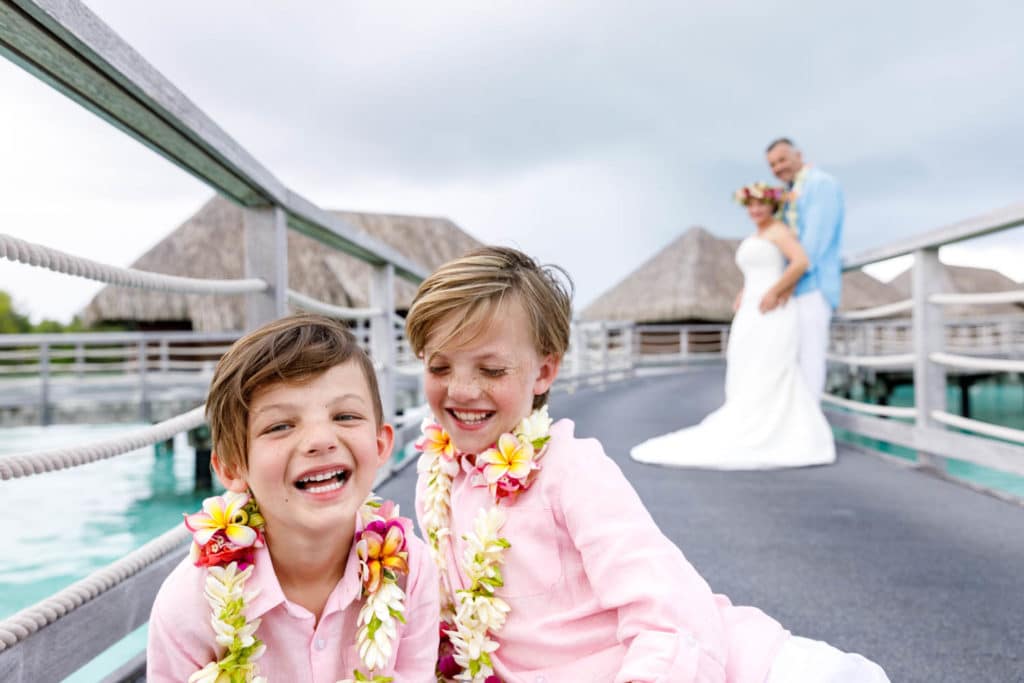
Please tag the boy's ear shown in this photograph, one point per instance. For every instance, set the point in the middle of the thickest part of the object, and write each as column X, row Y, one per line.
column 546, row 373
column 385, row 442
column 231, row 479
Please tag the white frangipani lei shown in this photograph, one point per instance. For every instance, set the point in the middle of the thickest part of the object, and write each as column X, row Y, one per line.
column 508, row 468
column 791, row 216
column 379, row 543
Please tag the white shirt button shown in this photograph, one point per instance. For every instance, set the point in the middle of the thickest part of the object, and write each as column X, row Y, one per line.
column 321, row 643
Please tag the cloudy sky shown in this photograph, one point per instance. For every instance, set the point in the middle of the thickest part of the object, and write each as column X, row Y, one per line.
column 590, row 134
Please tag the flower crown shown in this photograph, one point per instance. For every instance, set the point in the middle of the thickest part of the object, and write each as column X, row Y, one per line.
column 759, row 191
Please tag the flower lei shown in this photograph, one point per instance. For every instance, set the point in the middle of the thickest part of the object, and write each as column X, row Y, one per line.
column 473, row 614
column 790, row 211
column 225, row 537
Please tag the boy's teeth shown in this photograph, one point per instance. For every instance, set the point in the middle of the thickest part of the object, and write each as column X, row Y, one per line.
column 470, row 417
column 309, row 483
column 333, row 486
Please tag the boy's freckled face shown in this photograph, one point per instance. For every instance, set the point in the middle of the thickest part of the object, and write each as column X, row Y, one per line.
column 314, row 450
column 483, row 387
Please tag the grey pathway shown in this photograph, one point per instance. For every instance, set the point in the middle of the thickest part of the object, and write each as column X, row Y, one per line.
column 922, row 575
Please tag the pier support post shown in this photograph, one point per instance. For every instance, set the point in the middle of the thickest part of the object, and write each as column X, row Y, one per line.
column 965, row 382
column 929, row 337
column 164, row 448
column 266, row 257
column 201, row 440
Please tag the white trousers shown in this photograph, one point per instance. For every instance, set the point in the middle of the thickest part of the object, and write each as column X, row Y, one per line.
column 814, row 314
column 802, row 660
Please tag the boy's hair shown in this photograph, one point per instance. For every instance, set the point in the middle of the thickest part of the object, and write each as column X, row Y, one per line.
column 477, row 283
column 289, row 350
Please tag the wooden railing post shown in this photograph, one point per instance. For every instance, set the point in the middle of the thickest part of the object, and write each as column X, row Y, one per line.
column 44, row 384
column 929, row 337
column 165, row 359
column 382, row 334
column 142, row 351
column 79, row 359
column 266, row 257
column 603, row 327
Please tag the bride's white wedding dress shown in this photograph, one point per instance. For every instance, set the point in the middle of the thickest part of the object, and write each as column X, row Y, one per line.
column 769, row 419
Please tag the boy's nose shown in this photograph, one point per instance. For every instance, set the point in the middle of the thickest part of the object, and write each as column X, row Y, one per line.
column 463, row 388
column 319, row 438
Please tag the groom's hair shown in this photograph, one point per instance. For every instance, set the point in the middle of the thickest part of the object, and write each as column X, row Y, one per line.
column 779, row 141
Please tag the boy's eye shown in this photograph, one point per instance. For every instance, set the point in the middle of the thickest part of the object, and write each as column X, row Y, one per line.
column 346, row 417
column 438, row 369
column 277, row 427
column 493, row 372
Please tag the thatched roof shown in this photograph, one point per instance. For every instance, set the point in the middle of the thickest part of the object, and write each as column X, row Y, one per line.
column 966, row 280
column 202, row 247
column 695, row 279
column 860, row 291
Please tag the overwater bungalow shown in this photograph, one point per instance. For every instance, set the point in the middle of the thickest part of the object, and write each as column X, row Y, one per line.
column 202, row 247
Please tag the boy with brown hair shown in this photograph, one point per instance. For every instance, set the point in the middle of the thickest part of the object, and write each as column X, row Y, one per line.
column 309, row 578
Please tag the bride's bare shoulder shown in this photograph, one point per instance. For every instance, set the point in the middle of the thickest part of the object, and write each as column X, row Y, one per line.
column 778, row 231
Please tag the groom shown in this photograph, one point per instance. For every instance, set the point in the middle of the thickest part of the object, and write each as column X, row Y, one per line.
column 814, row 210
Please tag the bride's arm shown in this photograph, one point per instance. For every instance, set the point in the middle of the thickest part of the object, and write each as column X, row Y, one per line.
column 786, row 241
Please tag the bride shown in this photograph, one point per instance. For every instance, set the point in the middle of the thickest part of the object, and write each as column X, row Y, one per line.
column 770, row 418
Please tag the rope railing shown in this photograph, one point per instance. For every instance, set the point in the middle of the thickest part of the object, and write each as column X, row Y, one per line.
column 869, row 408
column 27, row 464
column 15, row 249
column 29, row 620
column 952, row 360
column 979, row 427
column 299, row 300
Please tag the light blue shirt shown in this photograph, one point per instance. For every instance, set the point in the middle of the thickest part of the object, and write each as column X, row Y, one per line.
column 820, row 211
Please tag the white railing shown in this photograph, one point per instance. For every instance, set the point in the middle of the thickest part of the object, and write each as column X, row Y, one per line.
column 929, row 346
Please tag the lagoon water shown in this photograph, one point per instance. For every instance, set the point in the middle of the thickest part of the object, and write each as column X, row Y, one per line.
column 61, row 526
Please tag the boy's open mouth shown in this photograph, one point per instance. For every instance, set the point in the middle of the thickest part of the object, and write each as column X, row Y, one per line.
column 471, row 417
column 322, row 482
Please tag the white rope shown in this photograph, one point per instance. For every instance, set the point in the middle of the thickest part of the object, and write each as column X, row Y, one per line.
column 952, row 360
column 978, row 426
column 29, row 620
column 15, row 249
column 896, row 360
column 26, row 464
column 870, row 409
column 306, row 303
column 878, row 311
column 1012, row 297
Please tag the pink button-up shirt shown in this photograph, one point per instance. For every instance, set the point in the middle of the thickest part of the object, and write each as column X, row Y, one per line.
column 181, row 639
column 597, row 592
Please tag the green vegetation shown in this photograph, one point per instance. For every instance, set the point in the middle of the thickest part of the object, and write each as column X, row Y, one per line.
column 13, row 321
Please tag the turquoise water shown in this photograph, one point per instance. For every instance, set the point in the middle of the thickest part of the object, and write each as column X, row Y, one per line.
column 61, row 526
column 997, row 401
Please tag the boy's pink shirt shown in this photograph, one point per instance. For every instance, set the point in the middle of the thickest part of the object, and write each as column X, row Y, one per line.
column 597, row 592
column 181, row 639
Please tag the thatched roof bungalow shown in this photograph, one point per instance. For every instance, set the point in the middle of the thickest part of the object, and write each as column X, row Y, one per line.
column 695, row 279
column 204, row 246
